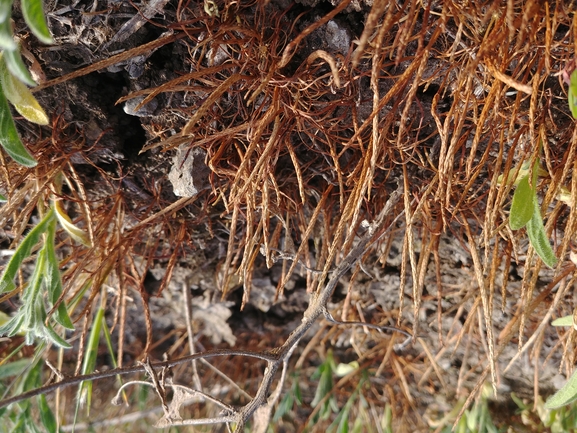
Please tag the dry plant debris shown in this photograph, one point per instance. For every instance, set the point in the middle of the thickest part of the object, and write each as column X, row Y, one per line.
column 304, row 146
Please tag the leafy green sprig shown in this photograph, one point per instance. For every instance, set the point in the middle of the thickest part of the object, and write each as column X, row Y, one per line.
column 15, row 76
column 526, row 212
column 31, row 318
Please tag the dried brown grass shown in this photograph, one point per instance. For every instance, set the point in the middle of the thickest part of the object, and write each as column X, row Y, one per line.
column 299, row 155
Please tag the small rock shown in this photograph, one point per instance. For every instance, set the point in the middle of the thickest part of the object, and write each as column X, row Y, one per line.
column 145, row 111
column 189, row 173
column 338, row 38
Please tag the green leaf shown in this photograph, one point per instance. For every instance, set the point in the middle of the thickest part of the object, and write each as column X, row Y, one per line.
column 522, row 206
column 297, row 393
column 572, row 94
column 34, row 16
column 341, row 422
column 32, row 378
column 17, row 67
column 358, row 426
column 5, row 10
column 6, row 37
column 563, row 321
column 3, row 198
column 538, row 238
column 75, row 233
column 53, row 279
column 524, row 198
column 85, row 388
column 10, row 140
column 14, row 368
column 51, row 335
column 22, row 252
column 108, row 339
column 46, row 415
column 325, row 383
column 565, row 395
column 284, row 407
column 13, row 326
column 21, row 97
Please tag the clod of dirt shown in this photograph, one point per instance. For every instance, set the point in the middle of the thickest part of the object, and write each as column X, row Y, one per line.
column 189, row 173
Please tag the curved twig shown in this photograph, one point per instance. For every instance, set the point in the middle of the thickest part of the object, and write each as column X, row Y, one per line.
column 134, row 369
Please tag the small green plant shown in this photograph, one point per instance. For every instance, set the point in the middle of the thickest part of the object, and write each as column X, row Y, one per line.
column 323, row 396
column 291, row 397
column 478, row 419
column 568, row 393
column 32, row 317
column 525, row 212
column 540, row 417
column 14, row 76
column 22, row 417
column 325, row 402
column 42, row 312
column 99, row 326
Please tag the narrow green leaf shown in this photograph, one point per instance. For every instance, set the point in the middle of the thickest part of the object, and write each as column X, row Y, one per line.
column 108, row 339
column 54, row 337
column 344, row 423
column 522, row 405
column 565, row 395
column 10, row 140
column 325, row 384
column 341, row 422
column 23, row 251
column 75, row 233
column 387, row 418
column 62, row 317
column 563, row 321
column 573, row 103
column 6, row 37
column 30, row 423
column 85, row 388
column 297, row 393
column 572, row 94
column 14, row 368
column 17, row 66
column 46, row 415
column 522, row 205
column 358, row 426
column 21, row 97
column 284, row 407
column 32, row 297
column 32, row 378
column 53, row 279
column 13, row 326
column 33, row 12
column 538, row 238
column 472, row 416
column 5, row 10
column 2, row 198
